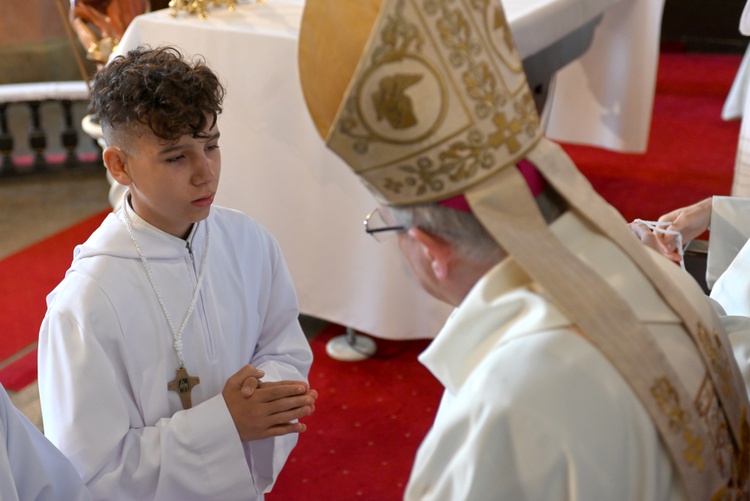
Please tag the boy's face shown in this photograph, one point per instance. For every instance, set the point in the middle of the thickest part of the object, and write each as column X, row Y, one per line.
column 173, row 185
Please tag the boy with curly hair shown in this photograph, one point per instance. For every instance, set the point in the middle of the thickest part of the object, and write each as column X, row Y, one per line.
column 171, row 361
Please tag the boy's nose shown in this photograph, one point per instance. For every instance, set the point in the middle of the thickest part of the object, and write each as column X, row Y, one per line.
column 204, row 171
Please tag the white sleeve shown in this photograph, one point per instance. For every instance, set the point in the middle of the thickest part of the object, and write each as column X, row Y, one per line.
column 283, row 353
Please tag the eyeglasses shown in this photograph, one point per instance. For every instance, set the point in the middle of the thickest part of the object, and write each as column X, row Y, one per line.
column 376, row 224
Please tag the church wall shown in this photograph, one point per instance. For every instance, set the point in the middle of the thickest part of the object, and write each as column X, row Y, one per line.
column 34, row 46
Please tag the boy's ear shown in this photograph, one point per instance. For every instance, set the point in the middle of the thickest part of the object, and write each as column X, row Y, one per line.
column 116, row 160
column 436, row 250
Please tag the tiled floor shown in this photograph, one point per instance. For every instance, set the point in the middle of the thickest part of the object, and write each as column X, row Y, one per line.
column 33, row 207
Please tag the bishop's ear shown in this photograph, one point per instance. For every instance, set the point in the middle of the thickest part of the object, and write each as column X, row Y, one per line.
column 437, row 251
column 116, row 162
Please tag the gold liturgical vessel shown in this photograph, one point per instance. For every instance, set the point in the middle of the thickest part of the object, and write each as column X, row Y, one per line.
column 200, row 7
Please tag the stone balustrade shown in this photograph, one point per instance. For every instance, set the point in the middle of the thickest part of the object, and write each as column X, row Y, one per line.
column 40, row 127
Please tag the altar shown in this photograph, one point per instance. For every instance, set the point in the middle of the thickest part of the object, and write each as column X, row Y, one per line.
column 276, row 168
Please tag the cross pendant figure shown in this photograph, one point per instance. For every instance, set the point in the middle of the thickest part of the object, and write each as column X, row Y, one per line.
column 183, row 383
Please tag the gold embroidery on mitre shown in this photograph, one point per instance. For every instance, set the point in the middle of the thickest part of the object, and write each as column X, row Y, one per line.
column 393, row 104
column 679, row 421
column 717, row 355
column 440, row 101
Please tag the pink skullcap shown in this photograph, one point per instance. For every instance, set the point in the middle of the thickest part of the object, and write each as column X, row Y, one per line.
column 535, row 181
column 457, row 202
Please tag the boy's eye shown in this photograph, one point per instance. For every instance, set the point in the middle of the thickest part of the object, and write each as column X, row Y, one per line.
column 213, row 147
column 175, row 159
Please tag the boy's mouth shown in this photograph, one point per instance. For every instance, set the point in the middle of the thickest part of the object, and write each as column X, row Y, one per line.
column 203, row 202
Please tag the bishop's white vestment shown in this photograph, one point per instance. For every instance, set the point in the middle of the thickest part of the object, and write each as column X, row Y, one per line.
column 532, row 410
column 106, row 356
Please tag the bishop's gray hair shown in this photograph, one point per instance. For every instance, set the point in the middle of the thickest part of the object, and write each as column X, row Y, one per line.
column 460, row 229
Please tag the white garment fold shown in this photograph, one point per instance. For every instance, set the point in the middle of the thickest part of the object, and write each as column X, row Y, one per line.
column 31, row 468
column 605, row 98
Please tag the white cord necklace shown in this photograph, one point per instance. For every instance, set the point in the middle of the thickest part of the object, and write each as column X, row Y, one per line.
column 183, row 382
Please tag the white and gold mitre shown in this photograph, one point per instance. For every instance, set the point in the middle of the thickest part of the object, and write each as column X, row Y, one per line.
column 424, row 100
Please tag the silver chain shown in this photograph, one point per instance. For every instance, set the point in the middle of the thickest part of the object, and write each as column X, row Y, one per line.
column 176, row 335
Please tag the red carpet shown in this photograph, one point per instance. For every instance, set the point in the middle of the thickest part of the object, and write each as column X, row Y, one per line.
column 370, row 418
column 28, row 276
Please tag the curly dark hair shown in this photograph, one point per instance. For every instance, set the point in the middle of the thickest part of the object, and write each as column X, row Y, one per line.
column 159, row 89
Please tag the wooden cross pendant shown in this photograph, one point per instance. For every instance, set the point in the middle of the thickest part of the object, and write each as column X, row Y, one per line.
column 183, row 383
